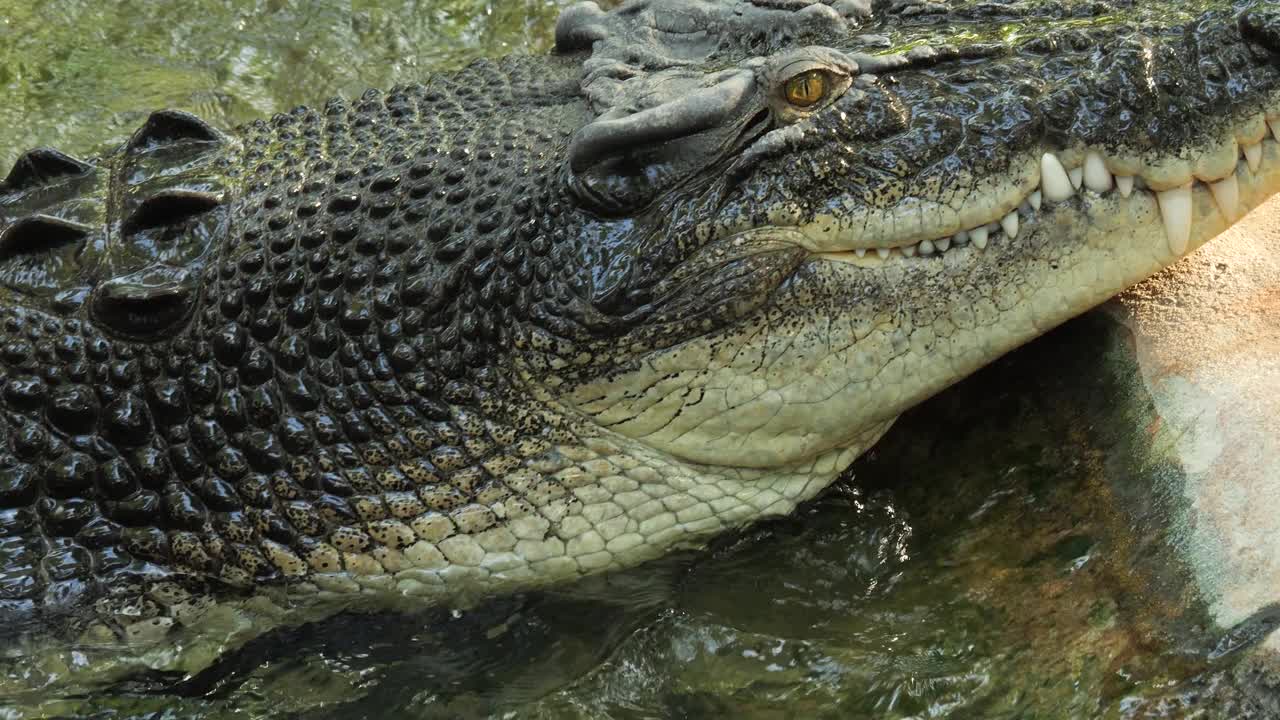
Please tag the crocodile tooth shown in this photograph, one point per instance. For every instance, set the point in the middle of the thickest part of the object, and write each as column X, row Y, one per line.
column 926, row 247
column 1076, row 176
column 1253, row 154
column 1175, row 208
column 1010, row 224
column 883, row 253
column 1227, row 194
column 978, row 236
column 1036, row 199
column 961, row 238
column 1054, row 180
column 942, row 245
column 860, row 252
column 1096, row 176
column 1125, row 184
column 910, row 250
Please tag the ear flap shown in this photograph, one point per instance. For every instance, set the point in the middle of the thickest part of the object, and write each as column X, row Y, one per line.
column 622, row 161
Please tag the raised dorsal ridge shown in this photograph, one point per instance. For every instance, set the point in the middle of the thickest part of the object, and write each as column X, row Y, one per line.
column 170, row 127
column 40, row 167
column 171, row 207
column 37, row 232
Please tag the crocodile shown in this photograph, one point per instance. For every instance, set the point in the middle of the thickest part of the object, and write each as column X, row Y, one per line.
column 551, row 316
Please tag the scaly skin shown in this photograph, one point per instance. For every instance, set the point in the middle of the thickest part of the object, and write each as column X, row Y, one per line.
column 551, row 316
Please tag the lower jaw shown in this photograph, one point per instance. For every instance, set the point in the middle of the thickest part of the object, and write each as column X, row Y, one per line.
column 1074, row 257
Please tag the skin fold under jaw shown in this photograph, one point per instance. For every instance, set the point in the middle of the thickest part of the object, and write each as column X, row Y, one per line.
column 558, row 315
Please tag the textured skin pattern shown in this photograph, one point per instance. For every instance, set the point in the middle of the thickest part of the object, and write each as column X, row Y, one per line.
column 331, row 395
column 330, row 416
column 393, row 346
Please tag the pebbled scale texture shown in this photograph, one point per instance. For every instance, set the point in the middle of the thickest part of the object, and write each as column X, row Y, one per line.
column 229, row 361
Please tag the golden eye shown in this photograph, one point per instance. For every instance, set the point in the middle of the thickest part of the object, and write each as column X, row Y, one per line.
column 807, row 89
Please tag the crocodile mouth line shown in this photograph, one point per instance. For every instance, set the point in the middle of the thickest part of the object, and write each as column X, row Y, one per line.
column 1060, row 182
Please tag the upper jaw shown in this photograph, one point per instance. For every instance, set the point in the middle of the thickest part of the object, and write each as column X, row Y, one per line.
column 1002, row 208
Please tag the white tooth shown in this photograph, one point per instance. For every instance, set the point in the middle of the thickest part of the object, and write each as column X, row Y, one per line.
column 1275, row 128
column 1253, row 153
column 1054, row 180
column 1077, row 177
column 860, row 252
column 962, row 237
column 1036, row 199
column 1227, row 193
column 1010, row 224
column 1125, row 184
column 1175, row 207
column 978, row 237
column 1096, row 176
column 942, row 245
column 926, row 247
column 883, row 253
column 910, row 250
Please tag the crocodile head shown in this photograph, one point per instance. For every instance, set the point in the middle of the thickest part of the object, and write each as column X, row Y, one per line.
column 799, row 236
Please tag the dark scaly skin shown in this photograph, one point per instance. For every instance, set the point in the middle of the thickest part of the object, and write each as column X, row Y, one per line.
column 377, row 344
column 331, row 367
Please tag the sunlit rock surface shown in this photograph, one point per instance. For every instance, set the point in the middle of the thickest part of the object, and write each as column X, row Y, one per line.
column 1207, row 338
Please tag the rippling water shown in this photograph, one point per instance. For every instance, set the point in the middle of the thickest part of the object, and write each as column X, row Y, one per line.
column 1002, row 554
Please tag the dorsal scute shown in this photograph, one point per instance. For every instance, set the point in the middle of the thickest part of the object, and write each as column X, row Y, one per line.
column 42, row 166
column 172, row 127
column 38, row 232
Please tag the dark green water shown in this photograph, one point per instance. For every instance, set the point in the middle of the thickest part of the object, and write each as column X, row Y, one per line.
column 1002, row 554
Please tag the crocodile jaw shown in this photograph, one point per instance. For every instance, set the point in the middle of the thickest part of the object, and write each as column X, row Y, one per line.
column 854, row 339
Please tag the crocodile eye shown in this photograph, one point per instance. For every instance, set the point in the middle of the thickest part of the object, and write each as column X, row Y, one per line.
column 808, row 88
